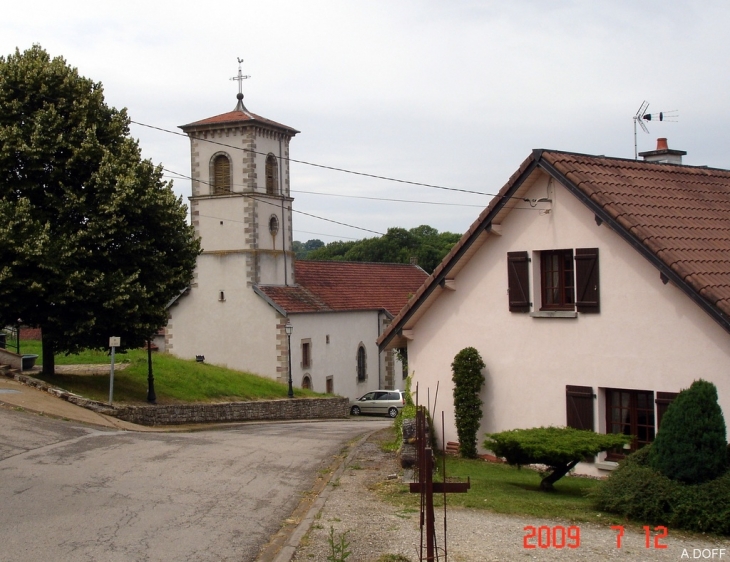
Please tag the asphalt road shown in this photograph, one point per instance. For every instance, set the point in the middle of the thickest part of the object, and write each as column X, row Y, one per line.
column 72, row 492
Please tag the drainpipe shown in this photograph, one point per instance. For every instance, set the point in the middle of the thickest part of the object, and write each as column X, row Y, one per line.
column 283, row 219
column 380, row 373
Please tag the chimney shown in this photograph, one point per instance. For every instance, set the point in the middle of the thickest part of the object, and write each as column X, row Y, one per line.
column 663, row 154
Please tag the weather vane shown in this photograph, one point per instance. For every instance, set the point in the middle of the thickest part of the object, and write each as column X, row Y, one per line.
column 240, row 78
column 642, row 116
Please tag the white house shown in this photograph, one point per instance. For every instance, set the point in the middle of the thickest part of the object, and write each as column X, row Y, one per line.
column 594, row 288
column 247, row 285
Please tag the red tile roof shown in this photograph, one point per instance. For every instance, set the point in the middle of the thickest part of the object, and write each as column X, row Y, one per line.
column 676, row 216
column 680, row 214
column 326, row 286
column 234, row 117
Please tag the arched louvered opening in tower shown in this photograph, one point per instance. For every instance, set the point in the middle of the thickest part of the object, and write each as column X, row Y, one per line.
column 271, row 175
column 221, row 174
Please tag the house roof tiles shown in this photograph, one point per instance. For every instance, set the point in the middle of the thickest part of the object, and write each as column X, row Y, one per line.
column 677, row 216
column 327, row 286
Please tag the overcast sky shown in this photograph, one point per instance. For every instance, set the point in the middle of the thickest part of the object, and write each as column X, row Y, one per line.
column 454, row 94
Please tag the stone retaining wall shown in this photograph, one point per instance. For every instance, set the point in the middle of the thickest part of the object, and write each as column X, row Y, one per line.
column 285, row 409
column 178, row 414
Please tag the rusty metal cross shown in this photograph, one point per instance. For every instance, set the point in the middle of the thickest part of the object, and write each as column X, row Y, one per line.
column 427, row 487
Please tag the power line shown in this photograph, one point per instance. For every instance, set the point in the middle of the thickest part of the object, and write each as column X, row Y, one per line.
column 323, row 234
column 260, row 200
column 369, row 198
column 386, row 199
column 323, row 166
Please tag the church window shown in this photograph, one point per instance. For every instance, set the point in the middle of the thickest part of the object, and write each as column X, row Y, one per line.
column 361, row 364
column 221, row 175
column 273, row 225
column 307, row 382
column 271, row 174
column 306, row 354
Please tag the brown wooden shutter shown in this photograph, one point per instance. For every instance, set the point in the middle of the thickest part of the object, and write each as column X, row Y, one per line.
column 663, row 400
column 579, row 401
column 586, row 280
column 518, row 279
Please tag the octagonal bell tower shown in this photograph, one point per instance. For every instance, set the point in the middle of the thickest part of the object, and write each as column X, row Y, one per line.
column 241, row 203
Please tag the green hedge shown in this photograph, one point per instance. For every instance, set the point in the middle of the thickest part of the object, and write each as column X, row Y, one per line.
column 638, row 492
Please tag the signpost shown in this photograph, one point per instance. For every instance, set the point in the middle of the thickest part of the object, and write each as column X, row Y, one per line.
column 114, row 342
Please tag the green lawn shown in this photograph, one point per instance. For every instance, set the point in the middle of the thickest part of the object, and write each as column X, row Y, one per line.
column 505, row 489
column 176, row 380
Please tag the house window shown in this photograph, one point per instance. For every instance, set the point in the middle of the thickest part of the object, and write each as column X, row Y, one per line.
column 568, row 280
column 306, row 354
column 271, row 174
column 221, row 174
column 630, row 412
column 330, row 386
column 558, row 281
column 361, row 366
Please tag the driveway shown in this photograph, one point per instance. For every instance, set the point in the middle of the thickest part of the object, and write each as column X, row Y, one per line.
column 74, row 492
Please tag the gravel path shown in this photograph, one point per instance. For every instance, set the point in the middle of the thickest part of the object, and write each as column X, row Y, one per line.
column 375, row 529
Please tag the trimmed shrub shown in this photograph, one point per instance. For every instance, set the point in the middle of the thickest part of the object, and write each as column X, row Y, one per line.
column 636, row 491
column 692, row 446
column 705, row 507
column 468, row 380
column 560, row 448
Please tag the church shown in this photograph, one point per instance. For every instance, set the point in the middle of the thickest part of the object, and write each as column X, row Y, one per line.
column 250, row 303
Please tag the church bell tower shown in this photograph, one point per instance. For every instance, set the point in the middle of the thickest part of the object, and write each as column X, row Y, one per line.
column 241, row 203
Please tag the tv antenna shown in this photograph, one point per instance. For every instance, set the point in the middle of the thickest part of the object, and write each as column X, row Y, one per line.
column 642, row 116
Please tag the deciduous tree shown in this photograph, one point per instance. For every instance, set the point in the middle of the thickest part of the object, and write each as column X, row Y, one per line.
column 93, row 242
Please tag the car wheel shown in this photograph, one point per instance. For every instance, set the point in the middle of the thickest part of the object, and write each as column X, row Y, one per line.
column 355, row 411
column 393, row 412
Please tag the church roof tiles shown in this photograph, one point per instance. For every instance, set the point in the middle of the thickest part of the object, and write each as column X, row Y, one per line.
column 332, row 286
column 233, row 118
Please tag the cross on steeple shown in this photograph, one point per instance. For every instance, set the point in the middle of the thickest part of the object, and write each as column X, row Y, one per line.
column 240, row 78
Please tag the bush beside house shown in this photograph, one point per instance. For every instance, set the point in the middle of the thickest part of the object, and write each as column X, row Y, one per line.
column 468, row 380
column 682, row 479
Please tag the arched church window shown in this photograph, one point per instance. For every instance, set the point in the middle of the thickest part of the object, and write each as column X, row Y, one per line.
column 307, row 382
column 274, row 225
column 361, row 366
column 221, row 174
column 271, row 174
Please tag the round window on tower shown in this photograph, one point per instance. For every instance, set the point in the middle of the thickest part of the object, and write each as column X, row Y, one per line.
column 274, row 225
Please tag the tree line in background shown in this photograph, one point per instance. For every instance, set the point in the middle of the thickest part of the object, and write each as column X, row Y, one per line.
column 424, row 244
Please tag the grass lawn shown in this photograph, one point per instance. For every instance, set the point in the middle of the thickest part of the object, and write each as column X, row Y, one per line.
column 501, row 488
column 176, row 380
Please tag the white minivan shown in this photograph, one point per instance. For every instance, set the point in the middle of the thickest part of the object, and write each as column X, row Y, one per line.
column 388, row 402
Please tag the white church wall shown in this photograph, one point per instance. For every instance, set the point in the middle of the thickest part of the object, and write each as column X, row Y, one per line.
column 236, row 331
column 335, row 338
column 221, row 223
